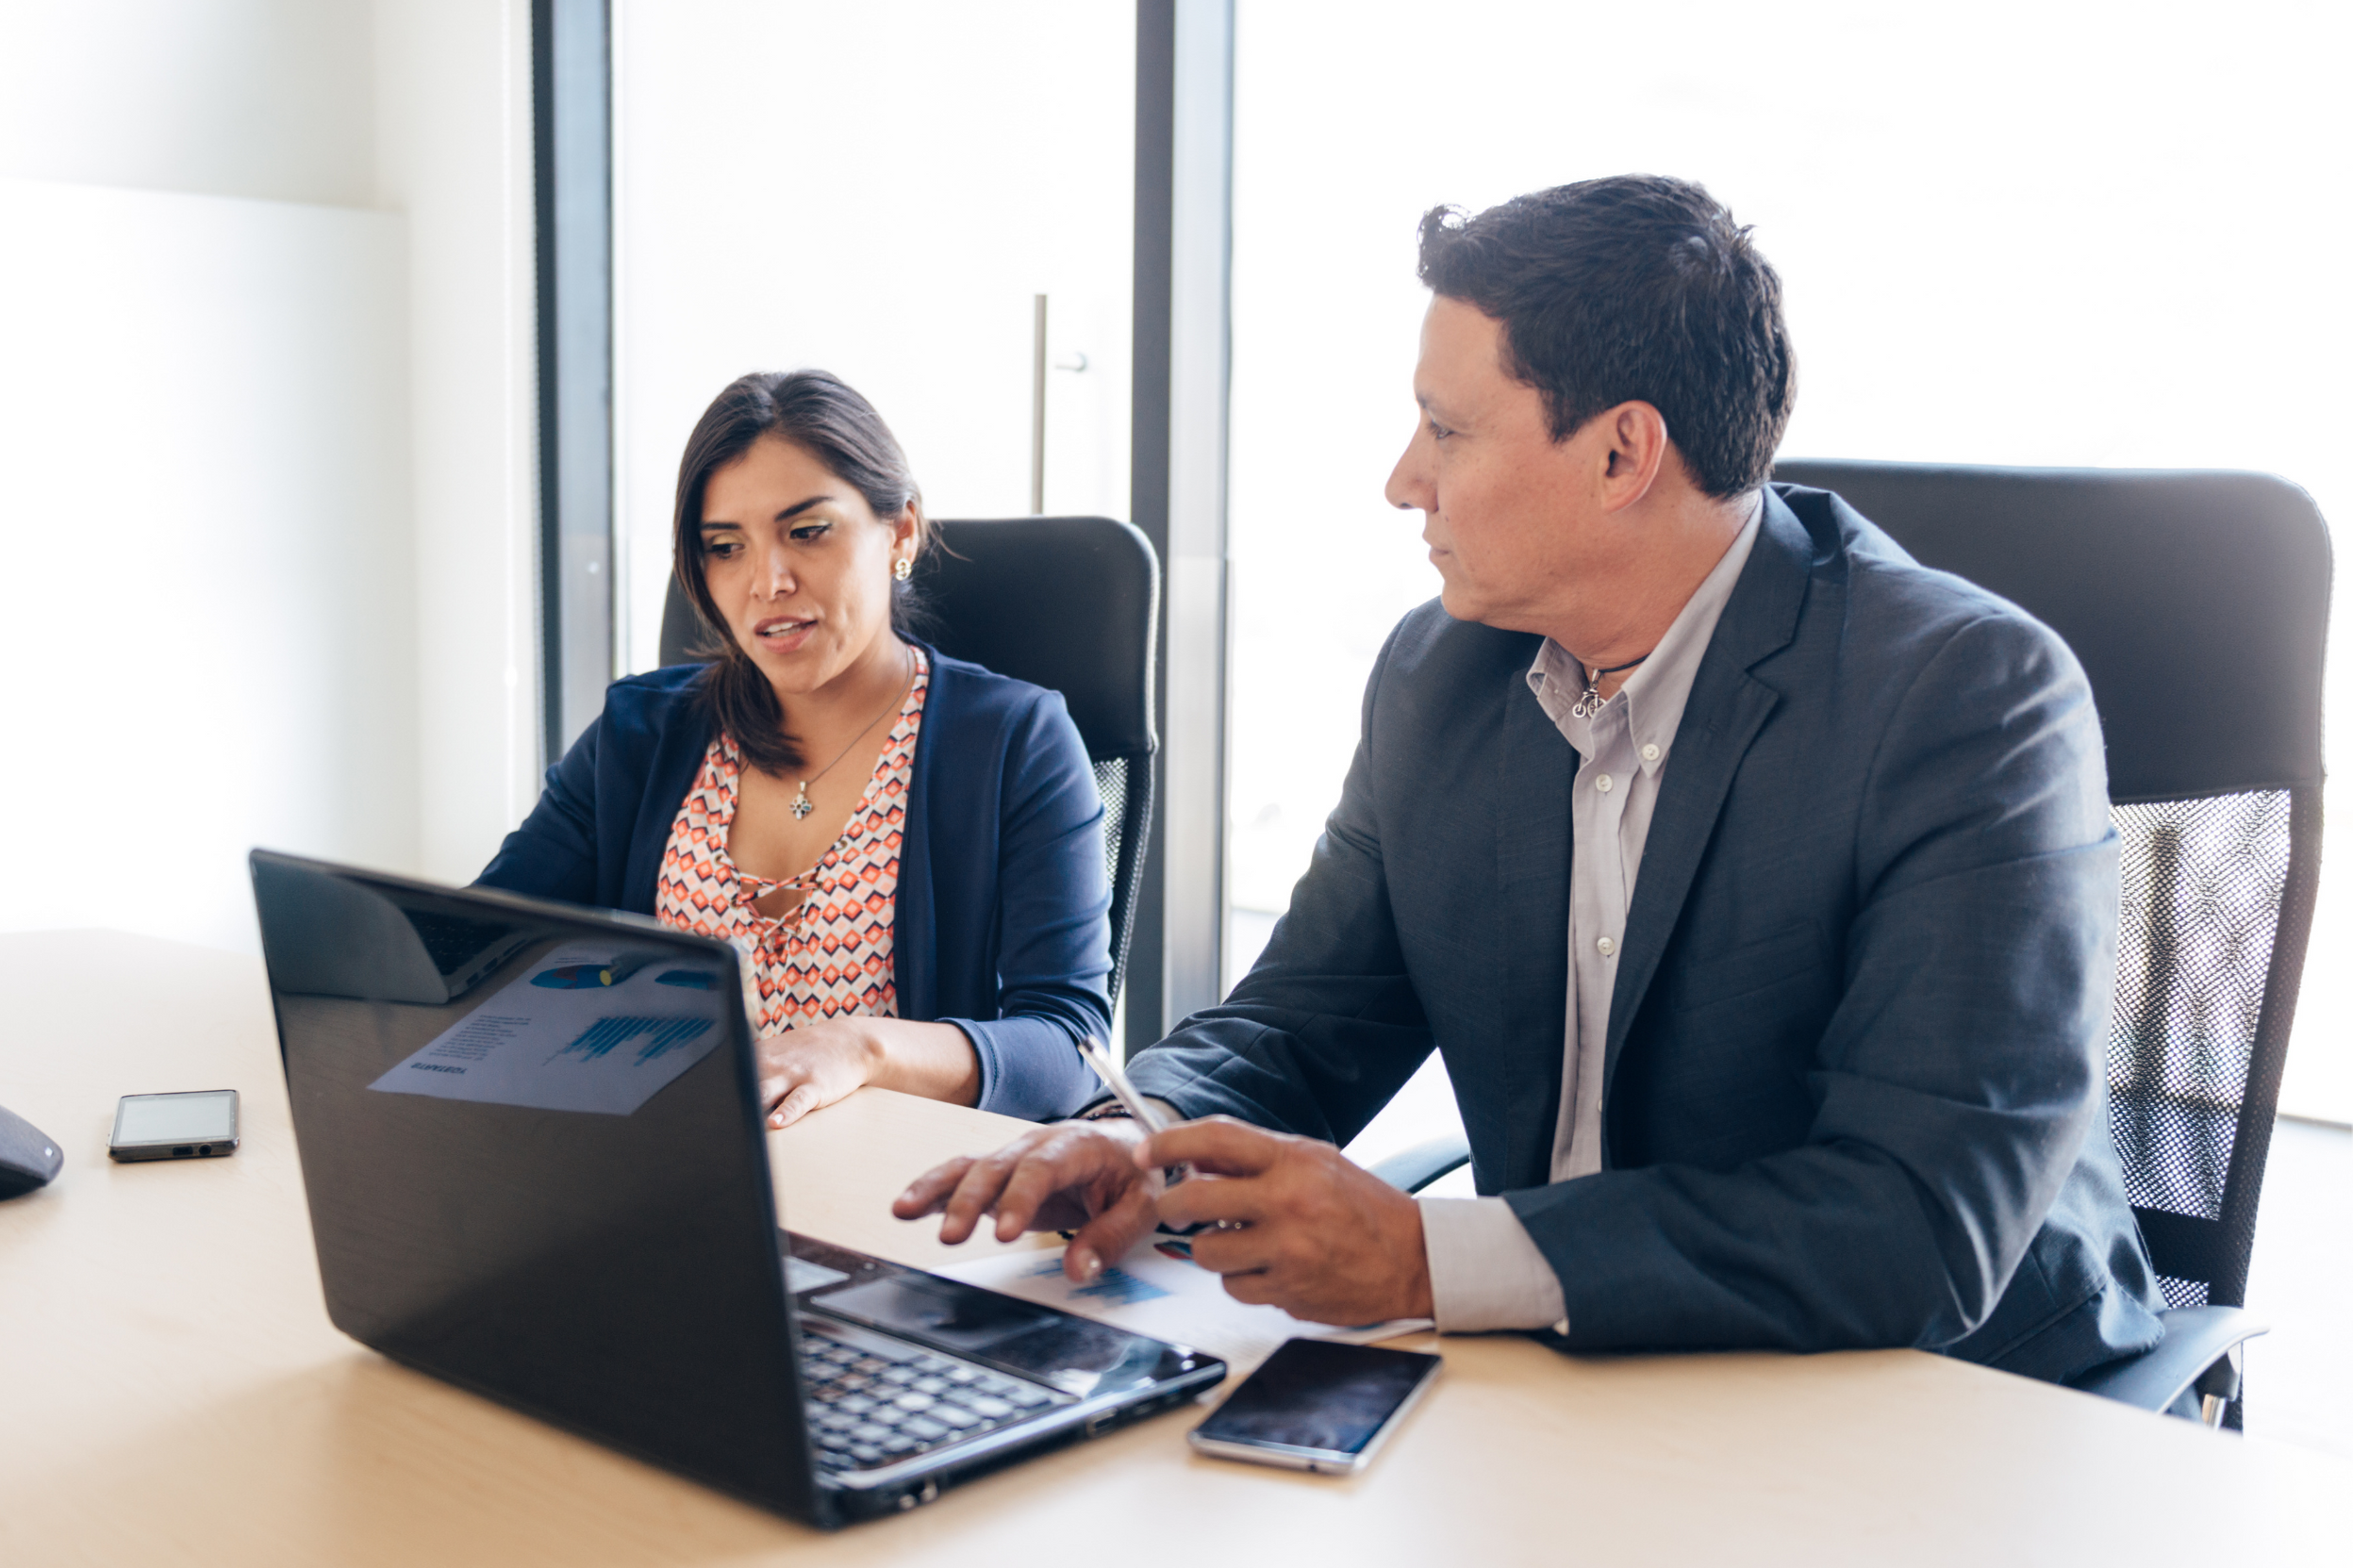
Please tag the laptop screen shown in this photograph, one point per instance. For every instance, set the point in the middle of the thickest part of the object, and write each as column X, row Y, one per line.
column 553, row 1188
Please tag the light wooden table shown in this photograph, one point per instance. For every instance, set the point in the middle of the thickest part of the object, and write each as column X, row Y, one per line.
column 171, row 1391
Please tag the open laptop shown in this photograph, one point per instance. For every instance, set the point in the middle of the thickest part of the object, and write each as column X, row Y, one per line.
column 378, row 949
column 553, row 1189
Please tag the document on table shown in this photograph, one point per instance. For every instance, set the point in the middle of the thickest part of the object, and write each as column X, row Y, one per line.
column 1157, row 1290
column 588, row 1029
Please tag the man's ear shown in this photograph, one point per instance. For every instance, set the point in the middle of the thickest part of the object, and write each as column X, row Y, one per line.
column 1634, row 448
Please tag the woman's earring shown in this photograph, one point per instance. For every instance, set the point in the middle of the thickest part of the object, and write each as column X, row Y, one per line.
column 902, row 569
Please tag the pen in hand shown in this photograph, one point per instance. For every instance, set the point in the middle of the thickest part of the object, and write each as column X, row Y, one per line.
column 1121, row 1090
column 1147, row 1116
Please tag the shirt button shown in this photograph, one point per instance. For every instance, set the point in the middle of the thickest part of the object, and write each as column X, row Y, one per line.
column 1650, row 751
column 1603, row 784
column 1607, row 944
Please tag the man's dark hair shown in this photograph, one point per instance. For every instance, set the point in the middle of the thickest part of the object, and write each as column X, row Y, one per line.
column 1631, row 287
column 825, row 416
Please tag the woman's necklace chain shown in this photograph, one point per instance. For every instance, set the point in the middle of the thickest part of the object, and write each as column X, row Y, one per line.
column 802, row 805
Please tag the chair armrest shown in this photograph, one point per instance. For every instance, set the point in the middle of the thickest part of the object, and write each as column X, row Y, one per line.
column 1412, row 1169
column 2196, row 1339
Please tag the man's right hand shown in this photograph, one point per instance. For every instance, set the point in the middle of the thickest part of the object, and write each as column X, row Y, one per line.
column 1071, row 1175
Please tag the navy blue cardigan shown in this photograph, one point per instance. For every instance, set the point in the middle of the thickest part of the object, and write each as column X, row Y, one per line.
column 1004, row 918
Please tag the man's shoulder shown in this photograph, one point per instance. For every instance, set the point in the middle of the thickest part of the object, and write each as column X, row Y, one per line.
column 1429, row 645
column 1914, row 667
column 1891, row 611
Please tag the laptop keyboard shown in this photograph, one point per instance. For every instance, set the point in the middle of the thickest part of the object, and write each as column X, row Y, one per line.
column 878, row 1401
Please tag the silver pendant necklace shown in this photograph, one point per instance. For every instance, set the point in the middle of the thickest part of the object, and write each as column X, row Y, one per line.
column 802, row 805
column 1592, row 702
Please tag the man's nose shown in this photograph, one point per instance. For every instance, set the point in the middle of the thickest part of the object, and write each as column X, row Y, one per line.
column 1409, row 486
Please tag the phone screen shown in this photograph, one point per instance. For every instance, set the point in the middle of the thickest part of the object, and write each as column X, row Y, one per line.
column 1313, row 1393
column 207, row 1116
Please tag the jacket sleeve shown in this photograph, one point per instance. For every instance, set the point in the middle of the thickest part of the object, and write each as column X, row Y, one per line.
column 1326, row 1027
column 1958, row 1076
column 552, row 854
column 1054, row 953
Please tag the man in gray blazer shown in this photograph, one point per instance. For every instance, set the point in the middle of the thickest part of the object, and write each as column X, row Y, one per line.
column 1755, row 882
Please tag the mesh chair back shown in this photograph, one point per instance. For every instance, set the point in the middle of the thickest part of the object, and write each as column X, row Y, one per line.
column 1070, row 603
column 2199, row 604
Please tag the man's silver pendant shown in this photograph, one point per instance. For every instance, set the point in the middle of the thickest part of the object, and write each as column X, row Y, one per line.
column 1591, row 702
column 802, row 805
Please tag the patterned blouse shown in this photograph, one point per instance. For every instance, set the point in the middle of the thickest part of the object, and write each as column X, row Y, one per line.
column 831, row 957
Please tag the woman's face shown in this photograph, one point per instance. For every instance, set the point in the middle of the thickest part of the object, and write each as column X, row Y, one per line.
column 799, row 565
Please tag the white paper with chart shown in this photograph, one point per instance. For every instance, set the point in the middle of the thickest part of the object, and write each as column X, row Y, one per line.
column 1157, row 1290
column 593, row 1029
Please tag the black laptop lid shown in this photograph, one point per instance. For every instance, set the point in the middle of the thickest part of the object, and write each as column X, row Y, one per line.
column 553, row 1189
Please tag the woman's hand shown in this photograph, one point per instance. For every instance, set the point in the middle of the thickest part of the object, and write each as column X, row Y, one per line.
column 813, row 1064
column 817, row 1063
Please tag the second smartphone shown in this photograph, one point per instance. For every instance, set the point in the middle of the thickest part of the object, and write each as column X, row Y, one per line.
column 1314, row 1405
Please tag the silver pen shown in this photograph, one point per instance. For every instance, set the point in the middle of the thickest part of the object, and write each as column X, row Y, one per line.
column 1145, row 1114
column 1121, row 1090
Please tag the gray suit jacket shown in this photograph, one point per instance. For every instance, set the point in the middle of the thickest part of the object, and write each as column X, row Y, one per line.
column 1853, row 1092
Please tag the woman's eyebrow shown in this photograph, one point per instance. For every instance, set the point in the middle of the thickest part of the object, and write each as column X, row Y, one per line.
column 793, row 511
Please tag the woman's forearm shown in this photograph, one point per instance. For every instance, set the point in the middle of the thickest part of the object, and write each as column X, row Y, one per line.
column 936, row 1060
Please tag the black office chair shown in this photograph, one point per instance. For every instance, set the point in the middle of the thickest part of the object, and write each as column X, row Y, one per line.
column 1070, row 603
column 2199, row 604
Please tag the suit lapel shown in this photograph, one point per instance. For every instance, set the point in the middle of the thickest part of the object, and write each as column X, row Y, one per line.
column 1727, row 706
column 1532, row 835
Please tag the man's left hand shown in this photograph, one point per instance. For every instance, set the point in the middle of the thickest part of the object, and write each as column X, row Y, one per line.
column 1303, row 1228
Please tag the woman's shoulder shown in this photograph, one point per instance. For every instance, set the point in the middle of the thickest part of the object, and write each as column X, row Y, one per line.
column 977, row 710
column 670, row 678
column 978, row 689
column 653, row 700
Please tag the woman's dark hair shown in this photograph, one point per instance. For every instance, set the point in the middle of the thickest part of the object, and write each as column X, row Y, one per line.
column 1635, row 287
column 825, row 416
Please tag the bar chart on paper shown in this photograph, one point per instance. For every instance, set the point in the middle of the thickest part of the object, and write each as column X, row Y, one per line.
column 1114, row 1287
column 658, row 1034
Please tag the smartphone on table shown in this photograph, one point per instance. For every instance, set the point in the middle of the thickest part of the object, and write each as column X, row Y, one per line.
column 1315, row 1405
column 198, row 1125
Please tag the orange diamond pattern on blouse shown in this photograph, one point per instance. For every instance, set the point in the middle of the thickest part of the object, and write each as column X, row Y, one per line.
column 832, row 957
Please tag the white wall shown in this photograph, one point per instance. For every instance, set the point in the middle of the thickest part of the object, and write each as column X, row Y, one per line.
column 208, row 610
column 267, row 98
column 266, row 517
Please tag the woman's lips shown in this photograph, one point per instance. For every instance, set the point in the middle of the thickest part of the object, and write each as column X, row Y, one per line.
column 781, row 633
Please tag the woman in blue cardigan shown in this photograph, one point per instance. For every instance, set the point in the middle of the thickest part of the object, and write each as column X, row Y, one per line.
column 907, row 848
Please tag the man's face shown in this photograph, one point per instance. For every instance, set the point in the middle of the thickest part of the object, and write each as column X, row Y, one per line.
column 1514, row 519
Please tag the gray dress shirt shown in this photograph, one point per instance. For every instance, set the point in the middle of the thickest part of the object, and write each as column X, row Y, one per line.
column 1484, row 1272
